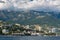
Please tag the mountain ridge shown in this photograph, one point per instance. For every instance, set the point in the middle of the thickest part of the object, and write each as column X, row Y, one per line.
column 31, row 17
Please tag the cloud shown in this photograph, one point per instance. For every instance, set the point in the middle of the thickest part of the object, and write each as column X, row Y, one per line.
column 28, row 4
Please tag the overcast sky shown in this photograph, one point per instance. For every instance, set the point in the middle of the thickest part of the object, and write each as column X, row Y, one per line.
column 31, row 4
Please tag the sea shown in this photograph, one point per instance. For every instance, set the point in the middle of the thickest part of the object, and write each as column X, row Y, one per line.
column 29, row 37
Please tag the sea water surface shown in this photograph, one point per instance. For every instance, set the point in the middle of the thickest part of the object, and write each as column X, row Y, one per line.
column 29, row 38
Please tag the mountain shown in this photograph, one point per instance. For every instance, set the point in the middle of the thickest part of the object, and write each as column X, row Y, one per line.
column 31, row 17
column 31, row 12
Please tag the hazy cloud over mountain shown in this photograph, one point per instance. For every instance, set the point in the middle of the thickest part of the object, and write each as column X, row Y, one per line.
column 48, row 5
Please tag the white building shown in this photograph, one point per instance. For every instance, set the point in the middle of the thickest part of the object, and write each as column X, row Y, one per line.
column 17, row 24
column 37, row 27
column 54, row 30
column 5, row 31
column 27, row 26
